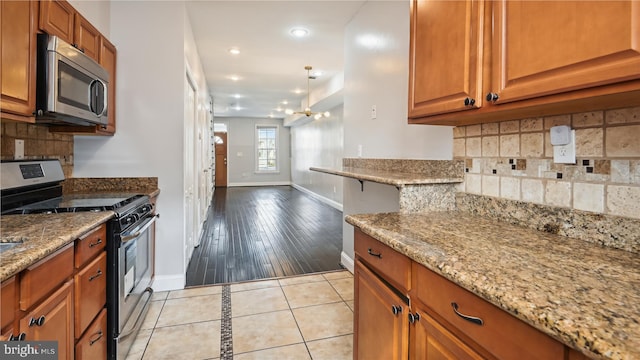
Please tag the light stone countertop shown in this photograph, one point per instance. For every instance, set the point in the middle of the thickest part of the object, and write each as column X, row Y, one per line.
column 398, row 179
column 585, row 295
column 42, row 235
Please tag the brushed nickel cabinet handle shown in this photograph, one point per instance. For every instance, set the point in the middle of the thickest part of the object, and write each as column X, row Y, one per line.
column 93, row 341
column 98, row 274
column 95, row 243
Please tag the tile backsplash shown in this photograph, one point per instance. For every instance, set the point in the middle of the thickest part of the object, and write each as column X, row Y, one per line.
column 39, row 143
column 514, row 160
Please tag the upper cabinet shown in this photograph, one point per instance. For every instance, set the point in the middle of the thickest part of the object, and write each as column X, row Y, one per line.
column 18, row 21
column 508, row 59
column 446, row 56
column 61, row 19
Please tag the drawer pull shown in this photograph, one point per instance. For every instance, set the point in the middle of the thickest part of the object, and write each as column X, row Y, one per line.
column 20, row 337
column 98, row 274
column 395, row 309
column 413, row 318
column 378, row 255
column 37, row 322
column 473, row 319
column 96, row 243
column 93, row 341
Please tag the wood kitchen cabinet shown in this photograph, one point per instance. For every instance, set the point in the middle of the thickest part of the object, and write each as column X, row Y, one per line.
column 61, row 19
column 386, row 327
column 61, row 298
column 52, row 320
column 446, row 56
column 18, row 38
column 381, row 325
column 521, row 58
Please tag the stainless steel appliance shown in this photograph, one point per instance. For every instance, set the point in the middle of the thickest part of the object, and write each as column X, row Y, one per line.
column 29, row 187
column 71, row 88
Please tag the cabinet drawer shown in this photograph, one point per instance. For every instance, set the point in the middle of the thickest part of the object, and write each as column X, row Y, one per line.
column 388, row 263
column 90, row 292
column 8, row 302
column 502, row 335
column 93, row 345
column 43, row 277
column 90, row 245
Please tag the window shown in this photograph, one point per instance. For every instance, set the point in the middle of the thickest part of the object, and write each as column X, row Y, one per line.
column 267, row 148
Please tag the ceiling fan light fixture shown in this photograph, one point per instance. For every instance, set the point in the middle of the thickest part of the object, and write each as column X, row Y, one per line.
column 307, row 110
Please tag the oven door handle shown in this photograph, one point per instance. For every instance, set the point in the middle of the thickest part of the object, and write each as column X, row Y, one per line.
column 126, row 238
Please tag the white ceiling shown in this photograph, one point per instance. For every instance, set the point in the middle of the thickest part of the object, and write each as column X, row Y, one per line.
column 271, row 61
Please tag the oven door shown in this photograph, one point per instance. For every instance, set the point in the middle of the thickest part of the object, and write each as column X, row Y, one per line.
column 134, row 282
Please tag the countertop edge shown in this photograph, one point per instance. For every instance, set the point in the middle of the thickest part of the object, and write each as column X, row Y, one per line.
column 49, row 245
column 383, row 177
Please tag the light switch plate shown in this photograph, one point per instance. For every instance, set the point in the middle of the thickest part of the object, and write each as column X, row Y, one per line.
column 19, row 150
column 566, row 154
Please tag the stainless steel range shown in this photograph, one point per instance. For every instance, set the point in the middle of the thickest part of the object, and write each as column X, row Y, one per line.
column 34, row 187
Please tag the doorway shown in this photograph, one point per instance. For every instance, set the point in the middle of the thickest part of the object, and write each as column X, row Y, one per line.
column 220, row 139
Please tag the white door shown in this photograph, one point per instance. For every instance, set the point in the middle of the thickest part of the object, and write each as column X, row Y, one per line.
column 189, row 168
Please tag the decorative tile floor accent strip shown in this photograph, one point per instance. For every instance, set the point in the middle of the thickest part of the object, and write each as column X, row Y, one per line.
column 226, row 338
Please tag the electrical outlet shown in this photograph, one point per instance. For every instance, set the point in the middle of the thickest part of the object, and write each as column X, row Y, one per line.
column 566, row 154
column 359, row 151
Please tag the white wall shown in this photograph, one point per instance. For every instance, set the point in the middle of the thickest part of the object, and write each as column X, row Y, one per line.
column 150, row 110
column 319, row 143
column 241, row 153
column 376, row 73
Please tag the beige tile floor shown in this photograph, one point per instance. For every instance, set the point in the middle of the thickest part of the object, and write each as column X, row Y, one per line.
column 302, row 317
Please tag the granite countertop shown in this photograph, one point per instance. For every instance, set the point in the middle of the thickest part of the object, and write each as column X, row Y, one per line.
column 42, row 235
column 585, row 295
column 388, row 177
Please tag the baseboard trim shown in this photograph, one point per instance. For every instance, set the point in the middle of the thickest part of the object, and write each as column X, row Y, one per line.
column 169, row 282
column 262, row 183
column 334, row 204
column 347, row 262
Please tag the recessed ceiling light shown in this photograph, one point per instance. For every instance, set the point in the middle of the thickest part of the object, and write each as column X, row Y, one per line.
column 237, row 96
column 279, row 109
column 285, row 102
column 234, row 77
column 234, row 51
column 299, row 32
column 297, row 91
column 317, row 73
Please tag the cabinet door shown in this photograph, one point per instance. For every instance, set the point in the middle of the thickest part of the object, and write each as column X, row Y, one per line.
column 379, row 332
column 52, row 320
column 431, row 341
column 18, row 57
column 86, row 37
column 56, row 18
column 108, row 55
column 445, row 59
column 550, row 47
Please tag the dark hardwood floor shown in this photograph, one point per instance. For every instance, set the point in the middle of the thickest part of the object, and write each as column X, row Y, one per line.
column 264, row 232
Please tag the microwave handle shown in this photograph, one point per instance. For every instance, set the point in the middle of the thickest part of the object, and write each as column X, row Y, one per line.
column 93, row 99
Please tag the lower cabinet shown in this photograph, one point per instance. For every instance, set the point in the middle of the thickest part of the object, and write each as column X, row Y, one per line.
column 93, row 344
column 52, row 320
column 430, row 340
column 381, row 325
column 433, row 318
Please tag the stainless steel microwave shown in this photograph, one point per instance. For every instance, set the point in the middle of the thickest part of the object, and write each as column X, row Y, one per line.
column 71, row 87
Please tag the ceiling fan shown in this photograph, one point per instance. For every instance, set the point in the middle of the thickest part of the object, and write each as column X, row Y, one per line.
column 307, row 111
